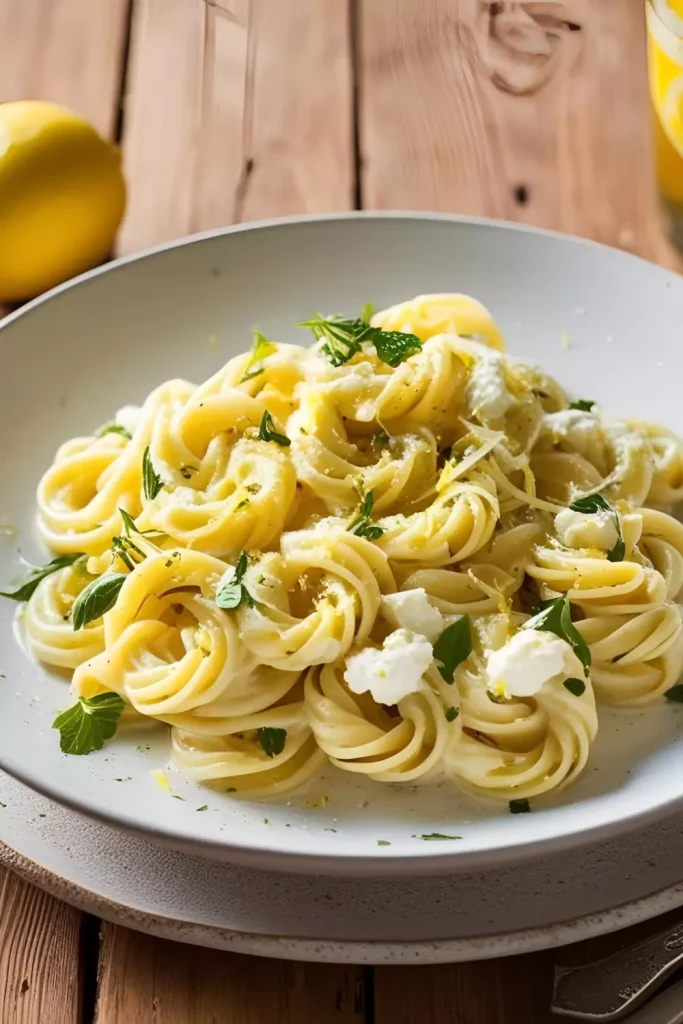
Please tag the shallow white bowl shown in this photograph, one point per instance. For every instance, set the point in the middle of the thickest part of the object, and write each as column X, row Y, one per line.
column 69, row 359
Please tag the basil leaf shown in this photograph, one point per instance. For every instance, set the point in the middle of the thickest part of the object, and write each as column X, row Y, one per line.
column 452, row 714
column 575, row 686
column 618, row 551
column 151, row 481
column 361, row 526
column 393, row 347
column 590, row 504
column 453, row 647
column 231, row 591
column 38, row 574
column 519, row 806
column 89, row 722
column 367, row 312
column 97, row 598
column 675, row 694
column 261, row 348
column 113, row 428
column 438, row 835
column 557, row 619
column 583, row 404
column 272, row 740
column 267, row 432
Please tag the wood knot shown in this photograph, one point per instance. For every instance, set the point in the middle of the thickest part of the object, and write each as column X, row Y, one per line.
column 525, row 42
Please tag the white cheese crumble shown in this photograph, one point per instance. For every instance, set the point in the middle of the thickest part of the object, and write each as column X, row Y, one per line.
column 527, row 661
column 395, row 671
column 487, row 393
column 595, row 530
column 410, row 609
column 128, row 417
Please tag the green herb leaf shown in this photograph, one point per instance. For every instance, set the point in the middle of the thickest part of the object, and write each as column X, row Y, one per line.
column 267, row 432
column 187, row 471
column 204, row 807
column 272, row 740
column 128, row 522
column 583, row 404
column 575, row 686
column 38, row 574
column 383, row 842
column 393, row 347
column 675, row 694
column 89, row 722
column 261, row 348
column 519, row 806
column 438, row 835
column 97, row 598
column 557, row 619
column 151, row 481
column 453, row 647
column 231, row 591
column 452, row 714
column 366, row 312
column 113, row 428
column 362, row 525
column 596, row 503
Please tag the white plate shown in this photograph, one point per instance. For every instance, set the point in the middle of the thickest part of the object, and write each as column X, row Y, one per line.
column 135, row 882
column 70, row 359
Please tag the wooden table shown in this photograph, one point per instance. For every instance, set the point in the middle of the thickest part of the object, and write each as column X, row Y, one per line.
column 230, row 110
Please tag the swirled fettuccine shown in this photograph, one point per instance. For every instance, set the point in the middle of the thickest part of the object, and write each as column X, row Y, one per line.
column 325, row 554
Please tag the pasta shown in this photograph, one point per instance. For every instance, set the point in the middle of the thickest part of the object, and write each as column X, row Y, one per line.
column 398, row 550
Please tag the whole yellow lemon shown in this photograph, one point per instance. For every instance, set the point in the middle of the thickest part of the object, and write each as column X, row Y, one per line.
column 62, row 197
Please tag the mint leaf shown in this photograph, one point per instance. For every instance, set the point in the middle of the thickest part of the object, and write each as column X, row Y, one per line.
column 393, row 347
column 231, row 592
column 272, row 740
column 596, row 503
column 583, row 404
column 453, row 647
column 267, row 431
column 344, row 339
column 97, row 598
column 89, row 722
column 151, row 481
column 38, row 574
column 557, row 619
column 362, row 526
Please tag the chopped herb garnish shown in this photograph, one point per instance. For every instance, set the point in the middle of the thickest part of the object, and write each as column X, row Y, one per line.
column 453, row 647
column 575, row 686
column 231, row 591
column 367, row 312
column 267, row 432
column 344, row 339
column 38, row 574
column 119, row 546
column 675, row 694
column 89, row 722
column 362, row 525
column 557, row 619
column 452, row 714
column 593, row 503
column 151, row 481
column 260, row 349
column 128, row 522
column 272, row 740
column 519, row 807
column 204, row 807
column 187, row 471
column 438, row 835
column 113, row 428
column 383, row 842
column 97, row 598
column 380, row 439
column 583, row 404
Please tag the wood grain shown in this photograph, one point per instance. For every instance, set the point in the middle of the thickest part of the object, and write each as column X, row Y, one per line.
column 529, row 111
column 66, row 51
column 39, row 956
column 144, row 979
column 235, row 111
column 516, row 990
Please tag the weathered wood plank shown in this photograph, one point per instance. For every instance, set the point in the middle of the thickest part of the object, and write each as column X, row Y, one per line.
column 144, row 979
column 235, row 111
column 39, row 956
column 524, row 111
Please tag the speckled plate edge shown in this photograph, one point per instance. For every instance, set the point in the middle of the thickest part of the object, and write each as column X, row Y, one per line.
column 352, row 952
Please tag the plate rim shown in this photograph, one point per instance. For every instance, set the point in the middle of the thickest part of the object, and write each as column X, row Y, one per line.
column 391, row 862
